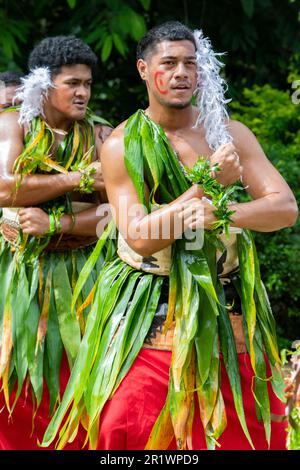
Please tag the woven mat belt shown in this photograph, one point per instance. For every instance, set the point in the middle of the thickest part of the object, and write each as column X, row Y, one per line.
column 164, row 341
column 57, row 243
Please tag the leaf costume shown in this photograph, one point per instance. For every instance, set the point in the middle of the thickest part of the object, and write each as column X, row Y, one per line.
column 125, row 301
column 38, row 274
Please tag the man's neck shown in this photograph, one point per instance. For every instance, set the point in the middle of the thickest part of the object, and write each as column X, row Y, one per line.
column 57, row 121
column 173, row 119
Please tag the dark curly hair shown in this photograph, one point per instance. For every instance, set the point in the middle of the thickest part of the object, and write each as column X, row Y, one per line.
column 11, row 78
column 55, row 52
column 169, row 31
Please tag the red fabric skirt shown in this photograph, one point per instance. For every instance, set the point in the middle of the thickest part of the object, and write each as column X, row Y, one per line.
column 17, row 432
column 129, row 416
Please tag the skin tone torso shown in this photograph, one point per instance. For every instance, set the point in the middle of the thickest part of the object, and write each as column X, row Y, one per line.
column 65, row 104
column 170, row 76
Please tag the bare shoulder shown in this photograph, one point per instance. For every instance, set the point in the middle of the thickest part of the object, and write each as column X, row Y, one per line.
column 119, row 130
column 112, row 157
column 113, row 147
column 248, row 147
column 102, row 132
column 9, row 124
column 239, row 132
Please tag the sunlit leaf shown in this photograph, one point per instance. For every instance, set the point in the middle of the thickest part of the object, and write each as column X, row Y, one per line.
column 106, row 48
column 72, row 3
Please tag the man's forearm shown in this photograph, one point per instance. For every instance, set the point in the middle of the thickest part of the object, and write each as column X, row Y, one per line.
column 83, row 224
column 35, row 189
column 267, row 214
column 162, row 227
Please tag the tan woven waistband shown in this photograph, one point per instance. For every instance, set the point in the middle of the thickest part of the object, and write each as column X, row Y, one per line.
column 164, row 341
column 158, row 263
column 10, row 227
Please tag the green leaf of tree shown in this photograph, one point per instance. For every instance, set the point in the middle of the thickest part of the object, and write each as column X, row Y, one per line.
column 138, row 26
column 248, row 7
column 146, row 4
column 106, row 48
column 72, row 3
column 119, row 43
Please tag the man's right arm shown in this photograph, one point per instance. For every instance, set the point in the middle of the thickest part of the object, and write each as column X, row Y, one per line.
column 34, row 189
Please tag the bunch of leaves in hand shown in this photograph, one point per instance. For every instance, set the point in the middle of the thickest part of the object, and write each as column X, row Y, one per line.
column 55, row 214
column 220, row 196
column 86, row 181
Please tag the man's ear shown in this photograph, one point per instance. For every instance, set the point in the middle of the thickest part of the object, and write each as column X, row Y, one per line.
column 142, row 68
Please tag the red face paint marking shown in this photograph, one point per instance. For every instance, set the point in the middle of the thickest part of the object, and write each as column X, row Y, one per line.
column 159, row 83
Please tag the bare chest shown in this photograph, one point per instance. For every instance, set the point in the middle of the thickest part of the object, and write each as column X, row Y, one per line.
column 189, row 147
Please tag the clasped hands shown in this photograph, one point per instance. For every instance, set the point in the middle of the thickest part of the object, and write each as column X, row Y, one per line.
column 198, row 212
column 35, row 221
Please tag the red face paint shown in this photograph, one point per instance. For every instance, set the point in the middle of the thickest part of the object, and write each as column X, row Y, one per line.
column 159, row 83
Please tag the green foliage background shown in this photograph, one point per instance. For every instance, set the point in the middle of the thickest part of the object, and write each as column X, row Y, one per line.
column 262, row 39
column 275, row 120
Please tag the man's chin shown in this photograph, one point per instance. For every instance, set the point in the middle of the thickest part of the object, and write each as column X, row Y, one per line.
column 178, row 104
column 78, row 115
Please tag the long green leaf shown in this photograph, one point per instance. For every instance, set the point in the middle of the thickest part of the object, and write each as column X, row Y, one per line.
column 247, row 269
column 53, row 355
column 229, row 353
column 186, row 321
column 262, row 402
column 137, row 338
column 104, row 302
column 206, row 334
column 135, row 164
column 68, row 324
column 19, row 315
column 90, row 263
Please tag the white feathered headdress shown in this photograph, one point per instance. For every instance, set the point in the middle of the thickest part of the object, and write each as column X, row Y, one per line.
column 211, row 88
column 32, row 93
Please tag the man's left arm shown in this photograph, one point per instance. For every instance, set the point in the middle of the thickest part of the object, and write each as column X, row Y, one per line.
column 273, row 204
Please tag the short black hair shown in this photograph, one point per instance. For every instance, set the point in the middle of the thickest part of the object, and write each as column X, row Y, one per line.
column 55, row 52
column 11, row 78
column 169, row 31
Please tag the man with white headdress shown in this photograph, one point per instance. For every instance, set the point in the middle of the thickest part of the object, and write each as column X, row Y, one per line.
column 50, row 189
column 180, row 347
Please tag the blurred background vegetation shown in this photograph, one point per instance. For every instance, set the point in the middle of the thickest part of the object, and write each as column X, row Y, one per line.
column 262, row 41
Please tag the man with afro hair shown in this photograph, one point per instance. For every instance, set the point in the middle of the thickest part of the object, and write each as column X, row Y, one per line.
column 50, row 190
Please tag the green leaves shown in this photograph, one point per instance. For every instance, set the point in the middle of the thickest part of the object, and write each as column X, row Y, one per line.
column 247, row 269
column 106, row 25
column 114, row 26
column 72, row 3
column 125, row 302
column 201, row 173
column 12, row 32
column 134, row 160
column 248, row 7
column 146, row 4
column 106, row 48
column 138, row 25
column 68, row 323
column 279, row 134
column 230, row 358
